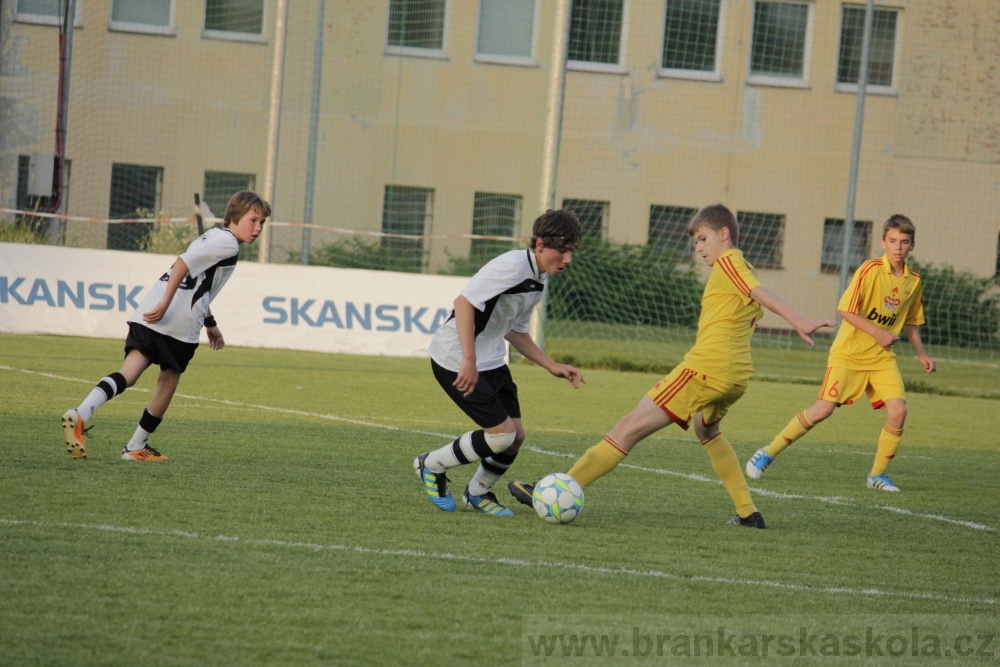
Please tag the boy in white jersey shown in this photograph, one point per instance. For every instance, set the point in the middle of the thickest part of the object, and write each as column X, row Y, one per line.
column 166, row 326
column 884, row 298
column 468, row 360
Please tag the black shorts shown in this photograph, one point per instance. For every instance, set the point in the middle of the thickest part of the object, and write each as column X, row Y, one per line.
column 491, row 402
column 169, row 353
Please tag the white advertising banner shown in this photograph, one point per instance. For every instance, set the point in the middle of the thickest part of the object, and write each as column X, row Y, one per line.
column 81, row 292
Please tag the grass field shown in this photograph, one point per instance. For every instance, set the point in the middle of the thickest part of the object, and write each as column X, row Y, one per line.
column 288, row 526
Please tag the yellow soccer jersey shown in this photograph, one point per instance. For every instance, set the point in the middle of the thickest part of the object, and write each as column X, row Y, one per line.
column 884, row 300
column 728, row 316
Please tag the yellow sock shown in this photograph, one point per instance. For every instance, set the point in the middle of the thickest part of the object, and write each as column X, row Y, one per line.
column 795, row 429
column 727, row 467
column 597, row 461
column 888, row 443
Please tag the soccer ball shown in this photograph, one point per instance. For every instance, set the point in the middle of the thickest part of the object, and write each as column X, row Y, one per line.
column 558, row 498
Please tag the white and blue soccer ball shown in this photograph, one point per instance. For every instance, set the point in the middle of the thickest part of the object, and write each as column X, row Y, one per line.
column 558, row 498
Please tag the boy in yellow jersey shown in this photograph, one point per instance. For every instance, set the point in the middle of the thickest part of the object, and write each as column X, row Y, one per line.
column 884, row 297
column 714, row 373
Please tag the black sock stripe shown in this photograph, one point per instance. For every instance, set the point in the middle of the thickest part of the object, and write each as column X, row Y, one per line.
column 491, row 467
column 148, row 422
column 105, row 386
column 479, row 445
column 456, row 449
column 119, row 380
column 505, row 458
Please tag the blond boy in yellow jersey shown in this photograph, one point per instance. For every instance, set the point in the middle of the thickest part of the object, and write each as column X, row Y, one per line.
column 714, row 373
column 884, row 298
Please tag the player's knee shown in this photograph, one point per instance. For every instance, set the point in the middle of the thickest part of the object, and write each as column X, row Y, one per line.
column 499, row 442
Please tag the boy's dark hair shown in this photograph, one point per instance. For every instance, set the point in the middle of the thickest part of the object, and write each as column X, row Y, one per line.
column 902, row 223
column 240, row 203
column 558, row 228
column 715, row 217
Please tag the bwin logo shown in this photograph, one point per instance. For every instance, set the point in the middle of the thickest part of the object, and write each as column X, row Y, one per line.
column 62, row 294
column 884, row 320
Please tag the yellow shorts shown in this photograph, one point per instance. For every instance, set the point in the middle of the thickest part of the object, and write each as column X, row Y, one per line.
column 843, row 386
column 685, row 392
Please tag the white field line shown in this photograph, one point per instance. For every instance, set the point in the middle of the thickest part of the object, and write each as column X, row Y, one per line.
column 538, row 564
column 659, row 471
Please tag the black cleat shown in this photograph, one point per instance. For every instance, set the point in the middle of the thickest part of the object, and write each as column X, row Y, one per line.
column 522, row 492
column 755, row 520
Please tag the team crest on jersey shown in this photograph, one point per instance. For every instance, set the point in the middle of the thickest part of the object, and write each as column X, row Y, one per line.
column 891, row 302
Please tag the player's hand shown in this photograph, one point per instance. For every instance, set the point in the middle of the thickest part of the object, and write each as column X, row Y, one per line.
column 886, row 339
column 929, row 364
column 810, row 326
column 155, row 315
column 570, row 373
column 468, row 377
column 215, row 338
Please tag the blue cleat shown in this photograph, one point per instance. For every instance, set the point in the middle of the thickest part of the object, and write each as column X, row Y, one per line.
column 757, row 463
column 435, row 484
column 882, row 483
column 486, row 503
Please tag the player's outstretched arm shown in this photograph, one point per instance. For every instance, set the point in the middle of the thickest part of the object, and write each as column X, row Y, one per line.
column 526, row 345
column 913, row 335
column 777, row 305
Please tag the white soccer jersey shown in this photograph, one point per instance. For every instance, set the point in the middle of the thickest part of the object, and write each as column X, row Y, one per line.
column 504, row 292
column 211, row 259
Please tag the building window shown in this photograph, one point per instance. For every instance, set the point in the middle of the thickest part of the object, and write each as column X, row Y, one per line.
column 494, row 215
column 762, row 238
column 234, row 19
column 416, row 27
column 595, row 33
column 780, row 37
column 833, row 244
column 30, row 202
column 691, row 37
column 136, row 192
column 668, row 230
column 882, row 55
column 154, row 16
column 46, row 12
column 506, row 31
column 221, row 185
column 406, row 211
column 593, row 216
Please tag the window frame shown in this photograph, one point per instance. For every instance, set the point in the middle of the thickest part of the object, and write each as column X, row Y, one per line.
column 48, row 19
column 607, row 68
column 685, row 214
column 783, row 81
column 531, row 60
column 758, row 264
column 128, row 26
column 231, row 36
column 251, row 181
column 573, row 203
column 428, row 223
column 414, row 51
column 695, row 75
column 834, row 268
column 486, row 249
column 845, row 87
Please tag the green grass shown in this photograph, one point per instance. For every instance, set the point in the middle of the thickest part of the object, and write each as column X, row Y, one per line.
column 778, row 356
column 288, row 526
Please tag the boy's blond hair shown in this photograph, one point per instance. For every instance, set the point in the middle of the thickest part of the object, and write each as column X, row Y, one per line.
column 902, row 223
column 243, row 201
column 716, row 217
